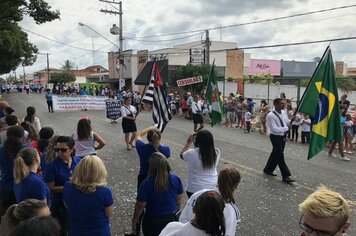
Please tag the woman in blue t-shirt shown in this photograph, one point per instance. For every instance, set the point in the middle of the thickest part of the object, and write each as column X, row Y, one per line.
column 161, row 194
column 57, row 174
column 145, row 151
column 28, row 184
column 8, row 153
column 88, row 200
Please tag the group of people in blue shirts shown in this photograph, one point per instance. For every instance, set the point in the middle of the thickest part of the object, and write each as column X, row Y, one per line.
column 46, row 171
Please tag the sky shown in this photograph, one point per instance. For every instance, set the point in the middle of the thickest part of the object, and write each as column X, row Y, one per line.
column 155, row 17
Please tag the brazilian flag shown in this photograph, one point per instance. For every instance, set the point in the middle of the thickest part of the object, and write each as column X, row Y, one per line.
column 320, row 102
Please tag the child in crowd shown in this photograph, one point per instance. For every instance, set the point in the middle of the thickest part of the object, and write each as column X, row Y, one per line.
column 348, row 134
column 305, row 124
column 353, row 117
column 295, row 125
column 248, row 118
column 239, row 111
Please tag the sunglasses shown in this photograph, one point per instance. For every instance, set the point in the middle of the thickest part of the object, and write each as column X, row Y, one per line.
column 61, row 149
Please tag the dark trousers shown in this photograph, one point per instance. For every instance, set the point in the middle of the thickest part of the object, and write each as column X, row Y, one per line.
column 7, row 198
column 140, row 179
column 277, row 156
column 50, row 106
column 248, row 126
column 60, row 212
column 305, row 137
column 152, row 226
column 295, row 132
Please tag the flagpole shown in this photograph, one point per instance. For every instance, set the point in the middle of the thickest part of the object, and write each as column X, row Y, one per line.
column 209, row 77
column 309, row 83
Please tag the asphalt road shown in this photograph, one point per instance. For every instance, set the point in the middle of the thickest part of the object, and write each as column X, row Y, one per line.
column 268, row 206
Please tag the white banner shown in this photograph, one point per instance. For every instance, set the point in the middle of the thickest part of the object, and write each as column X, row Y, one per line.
column 188, row 81
column 68, row 103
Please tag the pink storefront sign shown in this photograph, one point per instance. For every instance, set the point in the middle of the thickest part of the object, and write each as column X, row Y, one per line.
column 258, row 67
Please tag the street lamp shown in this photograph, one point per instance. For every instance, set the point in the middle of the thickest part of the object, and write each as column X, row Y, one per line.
column 92, row 42
column 81, row 24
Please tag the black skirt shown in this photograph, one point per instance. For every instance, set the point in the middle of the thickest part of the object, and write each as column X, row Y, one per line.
column 128, row 126
column 197, row 119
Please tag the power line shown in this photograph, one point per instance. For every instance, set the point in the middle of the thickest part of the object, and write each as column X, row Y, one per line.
column 266, row 46
column 165, row 40
column 62, row 43
column 252, row 22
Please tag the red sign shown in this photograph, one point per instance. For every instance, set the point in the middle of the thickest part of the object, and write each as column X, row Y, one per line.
column 188, row 81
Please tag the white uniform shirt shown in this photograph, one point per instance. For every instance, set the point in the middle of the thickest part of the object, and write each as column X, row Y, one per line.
column 196, row 107
column 180, row 229
column 231, row 212
column 198, row 178
column 274, row 124
column 125, row 110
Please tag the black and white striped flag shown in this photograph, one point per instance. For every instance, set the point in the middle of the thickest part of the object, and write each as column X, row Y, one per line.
column 156, row 94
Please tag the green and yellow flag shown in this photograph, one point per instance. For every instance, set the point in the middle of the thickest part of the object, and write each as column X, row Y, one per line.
column 320, row 102
column 213, row 97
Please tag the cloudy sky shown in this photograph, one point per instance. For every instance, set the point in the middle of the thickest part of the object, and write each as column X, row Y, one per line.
column 155, row 17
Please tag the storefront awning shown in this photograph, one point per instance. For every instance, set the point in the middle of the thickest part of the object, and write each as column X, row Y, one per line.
column 145, row 75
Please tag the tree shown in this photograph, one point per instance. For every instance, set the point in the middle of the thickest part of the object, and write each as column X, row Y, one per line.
column 15, row 49
column 62, row 78
column 68, row 65
column 191, row 71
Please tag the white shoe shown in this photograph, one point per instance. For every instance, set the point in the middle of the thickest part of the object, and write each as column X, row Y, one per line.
column 332, row 155
column 345, row 158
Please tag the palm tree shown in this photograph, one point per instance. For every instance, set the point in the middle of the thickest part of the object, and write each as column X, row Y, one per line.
column 68, row 65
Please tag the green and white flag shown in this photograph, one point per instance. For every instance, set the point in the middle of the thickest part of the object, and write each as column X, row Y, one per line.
column 213, row 97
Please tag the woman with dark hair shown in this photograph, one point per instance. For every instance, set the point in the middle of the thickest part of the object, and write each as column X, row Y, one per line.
column 208, row 220
column 37, row 226
column 32, row 135
column 28, row 184
column 31, row 111
column 202, row 161
column 13, row 144
column 264, row 111
column 45, row 136
column 161, row 194
column 228, row 181
column 17, row 213
column 85, row 139
column 128, row 122
column 57, row 173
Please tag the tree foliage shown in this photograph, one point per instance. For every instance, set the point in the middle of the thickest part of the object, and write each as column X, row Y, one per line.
column 68, row 65
column 191, row 71
column 62, row 78
column 15, row 49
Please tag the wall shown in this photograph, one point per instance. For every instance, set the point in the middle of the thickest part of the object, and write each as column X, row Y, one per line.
column 259, row 92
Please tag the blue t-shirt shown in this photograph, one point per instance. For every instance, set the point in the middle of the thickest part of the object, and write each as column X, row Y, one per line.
column 58, row 172
column 83, row 92
column 145, row 151
column 87, row 210
column 49, row 97
column 6, row 166
column 160, row 203
column 32, row 186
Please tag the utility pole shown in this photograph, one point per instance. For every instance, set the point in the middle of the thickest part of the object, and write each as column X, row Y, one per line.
column 121, row 38
column 47, row 67
column 207, row 47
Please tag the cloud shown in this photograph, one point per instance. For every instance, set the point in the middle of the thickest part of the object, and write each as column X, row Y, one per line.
column 143, row 18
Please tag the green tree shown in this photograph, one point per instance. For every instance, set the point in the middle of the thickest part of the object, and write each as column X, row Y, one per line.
column 68, row 65
column 191, row 71
column 15, row 49
column 62, row 78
